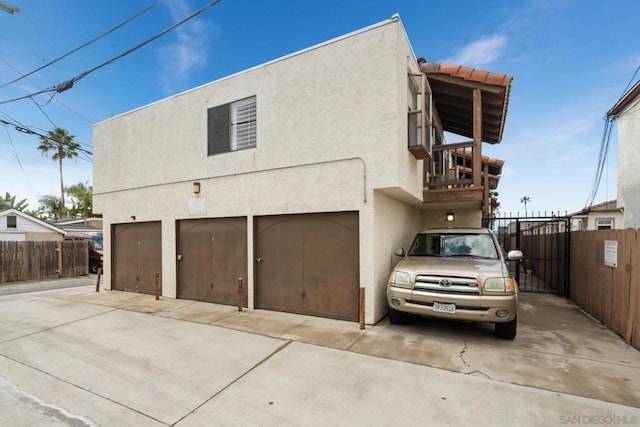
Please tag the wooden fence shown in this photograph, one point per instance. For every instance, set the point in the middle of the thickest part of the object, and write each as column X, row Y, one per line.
column 609, row 294
column 41, row 260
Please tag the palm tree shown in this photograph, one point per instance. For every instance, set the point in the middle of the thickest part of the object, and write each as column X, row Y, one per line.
column 63, row 146
column 81, row 198
column 525, row 200
column 50, row 207
column 10, row 201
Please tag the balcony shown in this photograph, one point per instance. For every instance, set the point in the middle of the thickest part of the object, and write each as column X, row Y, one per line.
column 450, row 181
column 465, row 102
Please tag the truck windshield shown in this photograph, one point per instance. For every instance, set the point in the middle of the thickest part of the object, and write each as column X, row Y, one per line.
column 97, row 242
column 454, row 244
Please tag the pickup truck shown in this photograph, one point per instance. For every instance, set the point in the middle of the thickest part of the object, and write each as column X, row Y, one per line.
column 455, row 273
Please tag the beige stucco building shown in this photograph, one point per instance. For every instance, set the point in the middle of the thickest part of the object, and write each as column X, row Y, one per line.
column 293, row 178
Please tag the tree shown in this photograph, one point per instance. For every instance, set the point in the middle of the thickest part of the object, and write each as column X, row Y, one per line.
column 51, row 206
column 81, row 198
column 11, row 201
column 525, row 200
column 63, row 146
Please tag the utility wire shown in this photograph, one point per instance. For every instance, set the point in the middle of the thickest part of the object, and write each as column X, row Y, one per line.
column 52, row 97
column 24, row 129
column 16, row 124
column 602, row 159
column 629, row 84
column 68, row 84
column 604, row 145
column 82, row 46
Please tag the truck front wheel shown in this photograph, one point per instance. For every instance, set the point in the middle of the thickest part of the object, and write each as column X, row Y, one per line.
column 507, row 330
column 93, row 267
column 397, row 317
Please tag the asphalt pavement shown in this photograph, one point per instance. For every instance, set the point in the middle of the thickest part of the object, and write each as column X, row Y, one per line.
column 77, row 357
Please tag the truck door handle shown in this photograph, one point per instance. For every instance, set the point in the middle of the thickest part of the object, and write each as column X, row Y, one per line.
column 259, row 259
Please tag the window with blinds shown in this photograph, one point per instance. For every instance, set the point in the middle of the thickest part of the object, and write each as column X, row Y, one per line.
column 243, row 124
column 232, row 126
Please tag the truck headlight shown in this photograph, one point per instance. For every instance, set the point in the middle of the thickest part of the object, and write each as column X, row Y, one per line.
column 400, row 278
column 499, row 284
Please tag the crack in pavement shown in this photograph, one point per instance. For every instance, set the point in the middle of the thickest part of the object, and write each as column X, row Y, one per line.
column 462, row 352
column 461, row 355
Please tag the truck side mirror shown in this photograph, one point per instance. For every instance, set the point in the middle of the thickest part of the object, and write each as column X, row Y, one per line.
column 399, row 252
column 514, row 255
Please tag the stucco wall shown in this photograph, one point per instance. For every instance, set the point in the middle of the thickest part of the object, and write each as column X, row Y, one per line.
column 462, row 218
column 396, row 224
column 331, row 128
column 629, row 164
column 336, row 101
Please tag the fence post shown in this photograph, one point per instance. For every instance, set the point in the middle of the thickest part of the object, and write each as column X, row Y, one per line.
column 98, row 279
column 361, row 308
column 157, row 285
column 59, row 258
column 240, row 294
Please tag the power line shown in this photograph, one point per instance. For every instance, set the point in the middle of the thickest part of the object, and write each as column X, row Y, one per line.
column 52, row 97
column 604, row 145
column 25, row 129
column 15, row 154
column 602, row 159
column 82, row 46
column 68, row 84
column 629, row 84
column 29, row 129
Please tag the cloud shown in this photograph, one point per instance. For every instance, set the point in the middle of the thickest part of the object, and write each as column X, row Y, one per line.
column 187, row 52
column 480, row 53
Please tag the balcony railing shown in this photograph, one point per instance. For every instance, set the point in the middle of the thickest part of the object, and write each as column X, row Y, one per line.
column 450, row 177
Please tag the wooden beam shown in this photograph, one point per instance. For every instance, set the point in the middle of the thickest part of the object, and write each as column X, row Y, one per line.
column 486, row 210
column 477, row 137
column 444, row 147
column 459, row 182
column 452, row 196
column 470, row 84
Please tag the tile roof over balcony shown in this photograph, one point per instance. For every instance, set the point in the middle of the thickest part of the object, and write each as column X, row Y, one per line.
column 452, row 87
column 464, row 159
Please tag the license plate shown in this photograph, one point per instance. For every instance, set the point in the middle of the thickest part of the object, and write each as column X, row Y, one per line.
column 444, row 308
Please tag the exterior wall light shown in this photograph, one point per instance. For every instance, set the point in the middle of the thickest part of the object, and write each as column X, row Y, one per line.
column 196, row 187
column 450, row 217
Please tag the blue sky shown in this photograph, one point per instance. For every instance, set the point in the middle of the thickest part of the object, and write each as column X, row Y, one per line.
column 571, row 60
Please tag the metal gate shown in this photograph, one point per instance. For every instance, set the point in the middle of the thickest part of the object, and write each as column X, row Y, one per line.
column 545, row 242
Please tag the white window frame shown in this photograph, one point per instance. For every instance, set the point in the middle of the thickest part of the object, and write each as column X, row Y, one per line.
column 604, row 223
column 243, row 124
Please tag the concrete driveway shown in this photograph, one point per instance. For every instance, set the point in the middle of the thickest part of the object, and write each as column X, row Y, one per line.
column 77, row 357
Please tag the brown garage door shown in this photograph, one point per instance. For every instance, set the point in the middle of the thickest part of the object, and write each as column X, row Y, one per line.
column 212, row 256
column 308, row 264
column 136, row 256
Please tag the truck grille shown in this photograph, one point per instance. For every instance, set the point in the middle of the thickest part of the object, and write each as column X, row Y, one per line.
column 446, row 284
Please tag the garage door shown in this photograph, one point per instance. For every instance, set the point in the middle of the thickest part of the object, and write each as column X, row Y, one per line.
column 212, row 256
column 308, row 264
column 136, row 256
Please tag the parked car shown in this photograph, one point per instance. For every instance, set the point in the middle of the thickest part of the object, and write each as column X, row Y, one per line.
column 456, row 274
column 95, row 248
